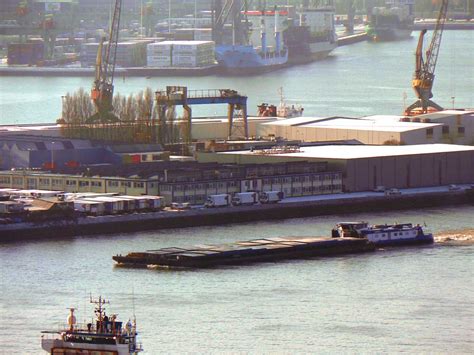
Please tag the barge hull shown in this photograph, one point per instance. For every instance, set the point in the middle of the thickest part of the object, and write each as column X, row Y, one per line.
column 263, row 250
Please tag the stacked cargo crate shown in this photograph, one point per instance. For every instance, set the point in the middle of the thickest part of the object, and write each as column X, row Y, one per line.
column 203, row 34
column 129, row 54
column 159, row 54
column 193, row 54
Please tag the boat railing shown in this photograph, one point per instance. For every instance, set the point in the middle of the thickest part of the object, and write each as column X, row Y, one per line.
column 90, row 328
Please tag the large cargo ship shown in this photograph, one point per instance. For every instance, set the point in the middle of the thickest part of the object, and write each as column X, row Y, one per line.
column 260, row 54
column 311, row 35
column 393, row 22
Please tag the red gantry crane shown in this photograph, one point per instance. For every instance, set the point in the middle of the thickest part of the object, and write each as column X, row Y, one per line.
column 103, row 88
column 425, row 68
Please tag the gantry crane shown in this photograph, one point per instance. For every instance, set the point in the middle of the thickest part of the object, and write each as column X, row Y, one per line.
column 103, row 88
column 425, row 68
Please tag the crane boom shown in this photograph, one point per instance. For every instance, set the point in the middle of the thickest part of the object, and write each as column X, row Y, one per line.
column 425, row 68
column 103, row 88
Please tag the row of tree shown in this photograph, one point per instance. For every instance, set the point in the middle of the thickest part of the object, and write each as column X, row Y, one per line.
column 140, row 120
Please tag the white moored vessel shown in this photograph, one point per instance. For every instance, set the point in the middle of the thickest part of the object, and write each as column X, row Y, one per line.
column 102, row 336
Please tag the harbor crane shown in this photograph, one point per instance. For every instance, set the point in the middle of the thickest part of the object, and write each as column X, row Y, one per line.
column 102, row 92
column 425, row 68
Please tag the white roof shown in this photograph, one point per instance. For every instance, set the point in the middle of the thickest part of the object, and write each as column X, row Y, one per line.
column 293, row 121
column 189, row 43
column 446, row 113
column 364, row 151
column 385, row 125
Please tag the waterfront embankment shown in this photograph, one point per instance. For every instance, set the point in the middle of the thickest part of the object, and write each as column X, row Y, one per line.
column 341, row 204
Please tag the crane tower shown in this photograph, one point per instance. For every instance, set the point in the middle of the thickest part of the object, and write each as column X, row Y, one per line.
column 425, row 67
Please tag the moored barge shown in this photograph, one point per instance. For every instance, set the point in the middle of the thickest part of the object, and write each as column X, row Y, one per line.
column 256, row 250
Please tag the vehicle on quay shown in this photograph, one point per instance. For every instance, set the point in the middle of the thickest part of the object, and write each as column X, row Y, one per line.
column 105, row 335
column 219, row 200
column 383, row 234
column 244, row 198
column 271, row 196
column 392, row 192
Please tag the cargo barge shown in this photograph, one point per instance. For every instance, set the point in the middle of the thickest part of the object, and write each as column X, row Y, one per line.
column 243, row 252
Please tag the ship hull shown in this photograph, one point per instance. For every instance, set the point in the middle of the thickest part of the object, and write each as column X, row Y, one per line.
column 247, row 60
column 419, row 240
column 389, row 34
column 315, row 52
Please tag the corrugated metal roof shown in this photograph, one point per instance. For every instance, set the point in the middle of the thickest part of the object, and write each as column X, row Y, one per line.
column 345, row 152
column 294, row 121
column 371, row 125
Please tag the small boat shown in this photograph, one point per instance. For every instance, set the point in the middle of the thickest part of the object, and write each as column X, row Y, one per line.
column 105, row 335
column 282, row 111
column 384, row 235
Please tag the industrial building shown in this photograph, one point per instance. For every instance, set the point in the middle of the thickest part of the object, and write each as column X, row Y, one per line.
column 450, row 126
column 53, row 152
column 366, row 166
column 185, row 181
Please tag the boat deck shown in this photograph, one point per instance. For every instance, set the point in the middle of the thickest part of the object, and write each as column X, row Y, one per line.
column 255, row 250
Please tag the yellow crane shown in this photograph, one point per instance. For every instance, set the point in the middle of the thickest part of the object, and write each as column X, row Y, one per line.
column 102, row 92
column 425, row 67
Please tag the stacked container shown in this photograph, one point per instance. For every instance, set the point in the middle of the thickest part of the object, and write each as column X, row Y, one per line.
column 25, row 53
column 129, row 54
column 203, row 34
column 159, row 54
column 193, row 53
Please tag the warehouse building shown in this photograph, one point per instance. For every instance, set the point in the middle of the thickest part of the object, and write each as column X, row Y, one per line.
column 59, row 154
column 450, row 126
column 364, row 166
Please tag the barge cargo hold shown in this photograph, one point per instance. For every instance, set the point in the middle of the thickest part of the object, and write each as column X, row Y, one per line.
column 249, row 251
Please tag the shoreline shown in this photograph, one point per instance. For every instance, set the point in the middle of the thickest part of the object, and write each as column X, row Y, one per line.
column 132, row 223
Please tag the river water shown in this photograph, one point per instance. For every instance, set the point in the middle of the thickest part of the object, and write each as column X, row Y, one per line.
column 361, row 79
column 412, row 300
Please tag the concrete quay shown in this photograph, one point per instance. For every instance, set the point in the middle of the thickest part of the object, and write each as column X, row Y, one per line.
column 309, row 206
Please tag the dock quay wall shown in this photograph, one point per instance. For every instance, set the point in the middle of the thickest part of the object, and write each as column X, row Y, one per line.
column 217, row 216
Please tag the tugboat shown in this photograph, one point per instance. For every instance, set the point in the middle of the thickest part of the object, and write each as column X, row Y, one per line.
column 383, row 235
column 282, row 111
column 106, row 336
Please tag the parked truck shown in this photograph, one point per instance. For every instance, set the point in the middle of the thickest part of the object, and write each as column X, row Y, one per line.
column 271, row 196
column 244, row 198
column 220, row 200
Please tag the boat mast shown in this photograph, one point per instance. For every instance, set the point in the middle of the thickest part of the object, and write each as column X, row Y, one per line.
column 99, row 311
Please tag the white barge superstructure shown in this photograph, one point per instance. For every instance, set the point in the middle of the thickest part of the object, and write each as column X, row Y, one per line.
column 384, row 234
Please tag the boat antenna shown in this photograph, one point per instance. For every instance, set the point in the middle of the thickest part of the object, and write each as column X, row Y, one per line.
column 133, row 301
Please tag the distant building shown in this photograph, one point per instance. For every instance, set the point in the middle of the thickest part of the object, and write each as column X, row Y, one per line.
column 366, row 166
column 450, row 126
column 186, row 182
column 62, row 154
